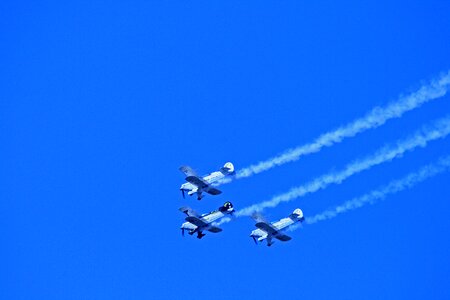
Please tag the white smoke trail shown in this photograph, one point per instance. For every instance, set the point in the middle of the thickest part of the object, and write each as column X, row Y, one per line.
column 439, row 129
column 393, row 187
column 375, row 118
column 223, row 220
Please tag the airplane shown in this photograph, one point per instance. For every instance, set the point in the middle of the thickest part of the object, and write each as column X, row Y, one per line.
column 197, row 185
column 268, row 231
column 196, row 223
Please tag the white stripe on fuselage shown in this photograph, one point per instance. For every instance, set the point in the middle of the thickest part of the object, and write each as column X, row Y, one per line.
column 283, row 223
column 212, row 216
column 213, row 177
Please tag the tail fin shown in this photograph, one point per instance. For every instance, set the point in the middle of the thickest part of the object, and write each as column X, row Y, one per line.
column 227, row 207
column 227, row 169
column 297, row 215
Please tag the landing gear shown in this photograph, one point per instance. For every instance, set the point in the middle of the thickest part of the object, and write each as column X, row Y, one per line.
column 200, row 235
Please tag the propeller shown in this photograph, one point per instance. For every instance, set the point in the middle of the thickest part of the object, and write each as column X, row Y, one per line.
column 182, row 231
column 182, row 192
column 254, row 239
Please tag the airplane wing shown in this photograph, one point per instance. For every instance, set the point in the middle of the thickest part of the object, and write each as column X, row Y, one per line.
column 214, row 229
column 267, row 228
column 212, row 191
column 258, row 217
column 196, row 221
column 282, row 237
column 189, row 211
column 188, row 171
column 197, row 181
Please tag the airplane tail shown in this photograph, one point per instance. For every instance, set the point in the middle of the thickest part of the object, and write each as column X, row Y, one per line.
column 297, row 215
column 227, row 208
column 227, row 169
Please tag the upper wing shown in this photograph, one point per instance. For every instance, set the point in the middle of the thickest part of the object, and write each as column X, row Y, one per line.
column 267, row 228
column 196, row 221
column 197, row 181
column 189, row 211
column 214, row 229
column 258, row 217
column 187, row 171
column 282, row 237
column 213, row 191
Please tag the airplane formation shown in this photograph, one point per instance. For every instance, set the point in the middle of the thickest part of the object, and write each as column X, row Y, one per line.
column 199, row 223
column 271, row 231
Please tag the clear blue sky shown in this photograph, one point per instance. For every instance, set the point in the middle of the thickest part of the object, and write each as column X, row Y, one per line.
column 102, row 101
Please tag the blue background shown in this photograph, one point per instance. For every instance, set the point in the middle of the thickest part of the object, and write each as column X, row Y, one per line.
column 102, row 101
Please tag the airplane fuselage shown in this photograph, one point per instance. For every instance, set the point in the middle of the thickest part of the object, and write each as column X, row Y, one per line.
column 207, row 218
column 199, row 184
column 191, row 188
column 199, row 223
column 261, row 235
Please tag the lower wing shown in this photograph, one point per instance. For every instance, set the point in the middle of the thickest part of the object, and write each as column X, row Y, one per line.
column 282, row 237
column 213, row 191
column 214, row 229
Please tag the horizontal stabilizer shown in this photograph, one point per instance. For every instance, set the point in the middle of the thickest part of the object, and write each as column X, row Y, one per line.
column 197, row 181
column 283, row 237
column 214, row 229
column 212, row 191
column 196, row 221
column 188, row 171
column 267, row 228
